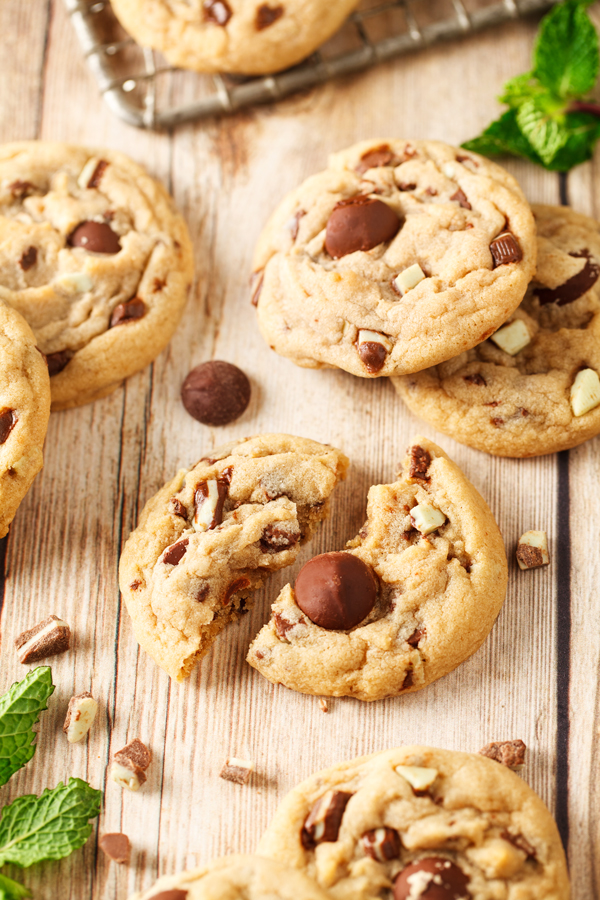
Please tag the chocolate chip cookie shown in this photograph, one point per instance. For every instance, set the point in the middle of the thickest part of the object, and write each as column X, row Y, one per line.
column 397, row 257
column 24, row 411
column 95, row 258
column 415, row 594
column 534, row 387
column 211, row 536
column 236, row 878
column 416, row 823
column 251, row 37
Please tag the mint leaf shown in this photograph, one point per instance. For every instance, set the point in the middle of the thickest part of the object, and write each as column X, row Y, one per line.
column 521, row 88
column 20, row 708
column 546, row 132
column 12, row 890
column 584, row 131
column 50, row 826
column 566, row 52
column 503, row 137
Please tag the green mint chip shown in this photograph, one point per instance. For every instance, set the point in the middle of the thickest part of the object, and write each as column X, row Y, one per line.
column 12, row 890
column 566, row 52
column 49, row 826
column 20, row 709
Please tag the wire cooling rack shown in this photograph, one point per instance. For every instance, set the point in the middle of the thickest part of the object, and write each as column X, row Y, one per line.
column 139, row 85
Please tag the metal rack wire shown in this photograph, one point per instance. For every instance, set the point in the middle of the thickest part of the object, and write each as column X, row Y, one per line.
column 138, row 84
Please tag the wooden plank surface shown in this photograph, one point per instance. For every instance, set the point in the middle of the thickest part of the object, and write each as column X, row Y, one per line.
column 105, row 460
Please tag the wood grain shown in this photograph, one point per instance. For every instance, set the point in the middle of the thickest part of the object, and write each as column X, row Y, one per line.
column 104, row 461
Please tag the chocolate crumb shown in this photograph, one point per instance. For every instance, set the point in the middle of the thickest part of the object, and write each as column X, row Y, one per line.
column 509, row 753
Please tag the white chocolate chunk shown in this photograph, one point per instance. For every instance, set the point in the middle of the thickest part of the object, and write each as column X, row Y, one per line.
column 426, row 518
column 205, row 514
column 131, row 778
column 80, row 716
column 532, row 550
column 86, row 173
column 585, row 392
column 237, row 770
column 418, row 777
column 512, row 338
column 75, row 282
column 374, row 337
column 409, row 279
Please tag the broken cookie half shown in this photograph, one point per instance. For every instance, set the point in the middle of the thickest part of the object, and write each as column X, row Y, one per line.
column 212, row 535
column 412, row 596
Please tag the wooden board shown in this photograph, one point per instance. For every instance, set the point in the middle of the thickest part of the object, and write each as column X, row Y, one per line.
column 536, row 676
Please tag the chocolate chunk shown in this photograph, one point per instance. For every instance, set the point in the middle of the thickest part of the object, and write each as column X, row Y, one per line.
column 267, row 15
column 50, row 637
column 408, row 680
column 430, row 191
column 158, row 284
column 438, row 879
column 520, row 842
column 256, row 283
column 461, row 198
column 128, row 311
column 202, row 593
column 406, row 186
column 81, row 713
column 97, row 237
column 175, row 553
column 135, row 585
column 373, row 159
column 416, row 636
column 21, row 189
column 373, row 355
column 209, row 500
column 28, row 258
column 382, row 844
column 8, row 420
column 530, row 557
column 216, row 392
column 57, row 361
column 336, row 590
column 240, row 584
column 359, row 223
column 217, row 11
column 463, row 159
column 173, row 894
column 278, row 537
column 97, row 174
column 324, row 820
column 177, row 508
column 294, row 228
column 509, row 753
column 475, row 379
column 420, row 460
column 129, row 765
column 497, row 422
column 574, row 287
column 116, row 846
column 505, row 249
column 283, row 625
column 237, row 770
column 135, row 752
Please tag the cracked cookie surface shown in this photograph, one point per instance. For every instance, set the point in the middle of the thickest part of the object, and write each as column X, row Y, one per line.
column 437, row 598
column 212, row 535
column 24, row 412
column 400, row 255
column 397, row 809
column 520, row 404
column 96, row 259
column 238, row 877
column 249, row 37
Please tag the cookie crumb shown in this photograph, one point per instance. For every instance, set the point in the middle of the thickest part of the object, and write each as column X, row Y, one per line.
column 323, row 704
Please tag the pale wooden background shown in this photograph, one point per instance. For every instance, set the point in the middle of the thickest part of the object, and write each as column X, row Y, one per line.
column 103, row 462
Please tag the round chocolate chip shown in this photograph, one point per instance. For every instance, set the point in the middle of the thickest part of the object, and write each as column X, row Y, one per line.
column 336, row 590
column 446, row 882
column 95, row 236
column 216, row 393
column 359, row 223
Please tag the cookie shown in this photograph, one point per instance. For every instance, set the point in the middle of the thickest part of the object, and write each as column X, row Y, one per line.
column 397, row 257
column 95, row 258
column 415, row 594
column 213, row 534
column 422, row 823
column 516, row 394
column 239, row 877
column 249, row 37
column 24, row 412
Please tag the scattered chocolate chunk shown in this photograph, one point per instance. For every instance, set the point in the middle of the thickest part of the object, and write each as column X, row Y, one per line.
column 283, row 625
column 417, row 635
column 57, row 361
column 277, row 537
column 438, row 879
column 129, row 765
column 158, row 284
column 475, row 379
column 505, row 249
column 116, row 846
column 294, row 228
column 175, row 553
column 256, row 283
column 336, row 590
column 50, row 637
column 135, row 585
column 408, row 680
column 97, row 237
column 359, row 223
column 382, row 844
column 128, row 312
column 520, row 842
column 469, row 159
column 407, row 186
column 97, row 174
column 21, row 189
column 216, row 393
column 420, row 460
column 177, row 508
column 373, row 355
column 28, row 258
column 324, row 820
column 237, row 770
column 81, row 713
column 497, row 422
column 532, row 550
column 217, row 11
column 575, row 287
column 8, row 420
column 375, row 158
column 209, row 500
column 240, row 584
column 267, row 15
column 509, row 753
column 461, row 199
column 202, row 593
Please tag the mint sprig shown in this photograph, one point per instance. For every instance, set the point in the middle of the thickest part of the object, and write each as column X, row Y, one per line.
column 12, row 890
column 20, row 709
column 550, row 119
